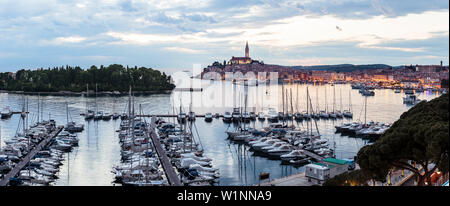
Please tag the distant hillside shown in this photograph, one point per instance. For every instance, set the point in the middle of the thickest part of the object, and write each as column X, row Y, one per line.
column 343, row 67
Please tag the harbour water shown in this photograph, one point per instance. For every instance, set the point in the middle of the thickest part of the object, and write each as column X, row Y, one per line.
column 91, row 162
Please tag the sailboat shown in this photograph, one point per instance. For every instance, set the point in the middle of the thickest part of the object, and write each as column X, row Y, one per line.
column 339, row 112
column 333, row 114
column 298, row 116
column 348, row 113
column 316, row 114
column 98, row 114
column 324, row 113
column 72, row 126
column 88, row 114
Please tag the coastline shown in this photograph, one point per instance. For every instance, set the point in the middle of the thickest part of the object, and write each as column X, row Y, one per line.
column 69, row 93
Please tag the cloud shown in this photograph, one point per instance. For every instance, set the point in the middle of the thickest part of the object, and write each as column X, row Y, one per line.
column 65, row 40
column 215, row 30
column 184, row 50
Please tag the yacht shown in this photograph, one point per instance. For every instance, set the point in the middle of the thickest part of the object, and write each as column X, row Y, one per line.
column 293, row 155
column 89, row 115
column 236, row 115
column 191, row 116
column 410, row 99
column 208, row 117
column 261, row 116
column 246, row 117
column 306, row 115
column 181, row 117
column 272, row 115
column 348, row 114
column 6, row 113
column 298, row 116
column 339, row 114
column 227, row 117
column 324, row 114
column 107, row 116
column 98, row 116
column 252, row 116
column 281, row 150
column 115, row 116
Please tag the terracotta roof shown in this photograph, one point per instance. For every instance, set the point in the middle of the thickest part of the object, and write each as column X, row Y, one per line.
column 240, row 58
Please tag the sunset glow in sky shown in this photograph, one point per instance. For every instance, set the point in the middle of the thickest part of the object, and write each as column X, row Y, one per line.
column 174, row 35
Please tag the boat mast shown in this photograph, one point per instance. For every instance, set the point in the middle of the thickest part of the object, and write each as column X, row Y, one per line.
column 349, row 101
column 87, row 95
column 292, row 107
column 67, row 112
column 365, row 110
column 282, row 97
column 96, row 107
column 307, row 111
column 297, row 102
column 326, row 104
column 340, row 98
column 334, row 96
column 39, row 94
column 317, row 99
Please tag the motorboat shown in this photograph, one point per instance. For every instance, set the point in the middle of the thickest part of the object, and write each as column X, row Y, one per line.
column 246, row 117
column 242, row 137
column 293, row 155
column 348, row 114
column 115, row 116
column 272, row 146
column 410, row 99
column 281, row 150
column 227, row 117
column 6, row 113
column 181, row 117
column 261, row 116
column 324, row 114
column 332, row 115
column 252, row 116
column 73, row 127
column 339, row 114
column 191, row 116
column 106, row 116
column 273, row 115
column 236, row 115
column 259, row 146
column 306, row 115
column 208, row 117
column 98, row 116
column 298, row 116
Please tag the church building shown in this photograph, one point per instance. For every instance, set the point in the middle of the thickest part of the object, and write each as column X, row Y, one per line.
column 242, row 60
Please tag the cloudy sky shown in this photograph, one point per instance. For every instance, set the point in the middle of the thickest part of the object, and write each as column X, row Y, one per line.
column 172, row 35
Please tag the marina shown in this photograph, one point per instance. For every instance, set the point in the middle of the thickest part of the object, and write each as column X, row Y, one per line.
column 231, row 161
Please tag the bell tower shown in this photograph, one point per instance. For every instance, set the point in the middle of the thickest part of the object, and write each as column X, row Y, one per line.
column 247, row 53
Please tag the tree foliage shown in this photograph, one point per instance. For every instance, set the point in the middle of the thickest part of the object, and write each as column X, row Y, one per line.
column 420, row 136
column 353, row 178
column 114, row 77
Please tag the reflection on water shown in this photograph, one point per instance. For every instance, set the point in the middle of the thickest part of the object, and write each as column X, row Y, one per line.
column 99, row 150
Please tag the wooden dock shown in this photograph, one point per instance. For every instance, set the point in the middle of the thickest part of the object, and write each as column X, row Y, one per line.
column 172, row 176
column 314, row 156
column 14, row 171
column 298, row 179
column 167, row 115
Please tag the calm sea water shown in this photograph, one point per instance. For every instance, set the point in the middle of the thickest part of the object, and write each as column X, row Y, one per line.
column 99, row 150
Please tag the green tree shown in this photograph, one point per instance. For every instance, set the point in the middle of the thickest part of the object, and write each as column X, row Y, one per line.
column 419, row 137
